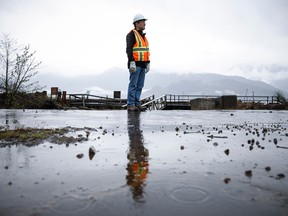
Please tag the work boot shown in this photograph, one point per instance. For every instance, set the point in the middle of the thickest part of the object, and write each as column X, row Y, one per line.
column 132, row 108
column 141, row 109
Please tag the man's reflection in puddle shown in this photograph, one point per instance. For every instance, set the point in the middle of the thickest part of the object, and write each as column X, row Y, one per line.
column 138, row 166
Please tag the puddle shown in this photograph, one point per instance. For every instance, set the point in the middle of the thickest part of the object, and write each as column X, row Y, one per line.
column 172, row 162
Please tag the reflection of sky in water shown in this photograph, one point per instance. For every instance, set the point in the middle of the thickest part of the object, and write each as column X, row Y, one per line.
column 49, row 179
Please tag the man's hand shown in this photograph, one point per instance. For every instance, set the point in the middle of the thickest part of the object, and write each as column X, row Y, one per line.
column 132, row 67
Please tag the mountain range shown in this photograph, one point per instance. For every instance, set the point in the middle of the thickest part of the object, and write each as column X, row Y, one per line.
column 116, row 79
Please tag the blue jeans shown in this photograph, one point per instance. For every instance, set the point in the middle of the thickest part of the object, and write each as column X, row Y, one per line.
column 136, row 83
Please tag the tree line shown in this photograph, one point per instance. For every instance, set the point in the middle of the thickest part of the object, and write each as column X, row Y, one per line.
column 18, row 65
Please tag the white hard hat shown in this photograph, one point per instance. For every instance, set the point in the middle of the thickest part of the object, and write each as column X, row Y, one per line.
column 138, row 17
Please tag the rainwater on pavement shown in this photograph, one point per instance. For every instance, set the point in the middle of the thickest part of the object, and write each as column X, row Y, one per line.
column 231, row 162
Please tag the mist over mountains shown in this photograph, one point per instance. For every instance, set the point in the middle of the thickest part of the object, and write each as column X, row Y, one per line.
column 116, row 79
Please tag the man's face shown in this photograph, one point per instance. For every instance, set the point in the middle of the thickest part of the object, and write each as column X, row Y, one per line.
column 140, row 25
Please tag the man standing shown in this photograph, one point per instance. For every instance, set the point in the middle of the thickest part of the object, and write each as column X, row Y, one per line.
column 137, row 49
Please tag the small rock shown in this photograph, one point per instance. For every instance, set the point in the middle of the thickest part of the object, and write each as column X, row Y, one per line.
column 181, row 147
column 177, row 129
column 87, row 134
column 227, row 151
column 267, row 168
column 248, row 173
column 92, row 152
column 227, row 180
column 280, row 176
column 6, row 167
column 10, row 183
column 215, row 144
column 79, row 156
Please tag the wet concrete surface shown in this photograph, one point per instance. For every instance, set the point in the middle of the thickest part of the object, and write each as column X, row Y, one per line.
column 148, row 163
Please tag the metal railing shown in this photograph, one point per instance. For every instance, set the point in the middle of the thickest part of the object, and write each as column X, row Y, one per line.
column 245, row 99
column 168, row 99
column 186, row 98
column 92, row 100
column 156, row 104
column 152, row 103
column 258, row 99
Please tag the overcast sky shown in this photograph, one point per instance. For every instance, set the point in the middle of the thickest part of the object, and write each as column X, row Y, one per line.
column 75, row 37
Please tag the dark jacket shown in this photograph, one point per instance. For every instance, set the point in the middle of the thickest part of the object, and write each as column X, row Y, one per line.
column 130, row 41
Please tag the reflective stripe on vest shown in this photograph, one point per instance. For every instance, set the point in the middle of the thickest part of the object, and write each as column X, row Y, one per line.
column 140, row 48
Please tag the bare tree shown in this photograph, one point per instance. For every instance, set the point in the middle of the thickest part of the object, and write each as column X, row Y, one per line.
column 18, row 67
column 8, row 48
column 281, row 97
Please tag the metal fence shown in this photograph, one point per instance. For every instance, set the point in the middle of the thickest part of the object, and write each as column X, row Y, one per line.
column 258, row 99
column 93, row 100
column 161, row 102
column 244, row 99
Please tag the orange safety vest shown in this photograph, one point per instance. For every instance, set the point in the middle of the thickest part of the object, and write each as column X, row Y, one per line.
column 140, row 170
column 140, row 48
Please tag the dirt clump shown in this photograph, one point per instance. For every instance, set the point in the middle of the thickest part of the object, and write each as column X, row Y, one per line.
column 35, row 136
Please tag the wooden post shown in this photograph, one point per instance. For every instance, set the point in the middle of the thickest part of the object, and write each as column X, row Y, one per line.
column 54, row 92
column 64, row 98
